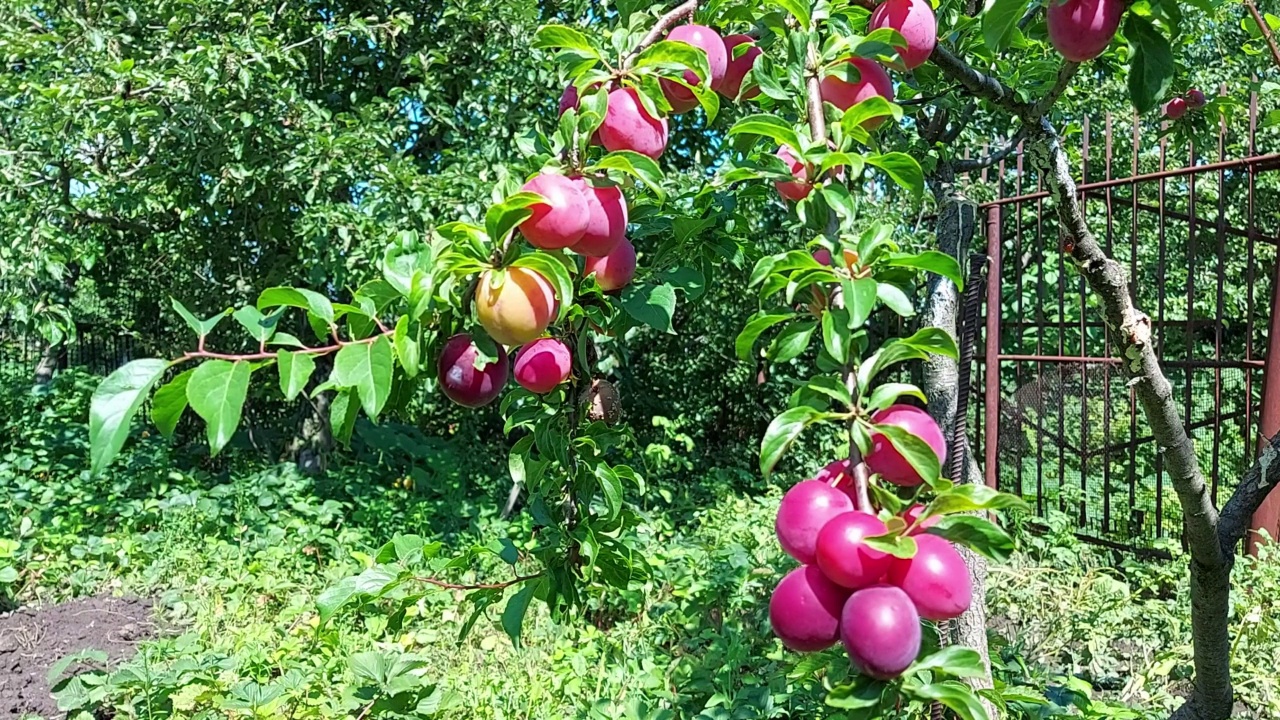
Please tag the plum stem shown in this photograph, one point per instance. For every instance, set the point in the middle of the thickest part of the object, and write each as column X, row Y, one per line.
column 200, row 353
column 476, row 586
column 665, row 23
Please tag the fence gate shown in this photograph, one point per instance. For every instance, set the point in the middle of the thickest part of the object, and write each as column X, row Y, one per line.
column 1199, row 234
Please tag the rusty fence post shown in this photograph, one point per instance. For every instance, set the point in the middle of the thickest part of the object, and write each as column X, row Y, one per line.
column 1268, row 516
column 991, row 371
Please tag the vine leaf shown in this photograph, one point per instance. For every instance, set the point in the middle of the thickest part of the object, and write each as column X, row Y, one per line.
column 115, row 401
column 217, row 391
column 367, row 367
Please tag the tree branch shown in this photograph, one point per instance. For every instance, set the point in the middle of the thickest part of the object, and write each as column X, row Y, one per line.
column 1265, row 30
column 1253, row 490
column 665, row 23
column 476, row 586
column 1065, row 74
column 983, row 86
column 993, row 157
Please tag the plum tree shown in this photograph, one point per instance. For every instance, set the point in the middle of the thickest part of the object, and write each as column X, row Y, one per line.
column 805, row 509
column 936, row 579
column 843, row 556
column 514, row 305
column 872, row 81
column 880, row 629
column 606, row 225
column 614, row 270
column 628, row 126
column 800, row 188
column 561, row 219
column 737, row 68
column 805, row 608
column 887, row 460
column 709, row 41
column 915, row 21
column 460, row 379
column 1081, row 29
column 542, row 365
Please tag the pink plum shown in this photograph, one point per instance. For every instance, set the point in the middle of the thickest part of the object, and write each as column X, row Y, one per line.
column 1175, row 108
column 872, row 81
column 804, row 510
column 885, row 459
column 936, row 579
column 459, row 378
column 628, row 126
column 804, row 610
column 561, row 219
column 843, row 556
column 615, row 270
column 799, row 189
column 1082, row 29
column 1195, row 99
column 708, row 41
column 542, row 365
column 738, row 67
column 880, row 629
column 606, row 219
column 915, row 21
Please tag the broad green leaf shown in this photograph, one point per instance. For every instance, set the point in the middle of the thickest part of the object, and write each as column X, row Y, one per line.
column 653, row 305
column 260, row 327
column 756, row 326
column 408, row 350
column 373, row 581
column 976, row 533
column 954, row 660
column 513, row 614
column 968, row 498
column 309, row 300
column 861, row 693
column 792, row 341
column 902, row 169
column 914, row 450
column 859, row 300
column 850, row 164
column 675, row 57
column 899, row 546
column 563, row 37
column 501, row 218
column 200, row 327
column 342, row 415
column 115, row 401
column 610, row 490
column 836, row 338
column 1151, row 66
column 895, row 299
column 295, row 370
column 216, row 392
column 641, row 167
column 770, row 126
column 366, row 367
column 888, row 393
column 999, row 20
column 938, row 263
column 934, row 341
column 169, row 402
column 869, row 109
column 555, row 272
column 783, row 431
column 831, row 386
column 799, row 9
column 957, row 696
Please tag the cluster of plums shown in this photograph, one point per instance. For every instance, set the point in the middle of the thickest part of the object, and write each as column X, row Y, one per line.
column 847, row 591
column 1190, row 100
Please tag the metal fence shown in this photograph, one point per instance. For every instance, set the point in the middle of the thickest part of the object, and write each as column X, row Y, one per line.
column 1199, row 237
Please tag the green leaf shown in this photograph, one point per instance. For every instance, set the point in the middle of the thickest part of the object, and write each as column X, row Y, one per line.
column 902, row 169
column 934, row 341
column 770, row 126
column 976, row 533
column 916, row 451
column 367, row 367
column 169, row 402
column 513, row 614
column 504, row 216
column 675, row 57
column 407, row 348
column 217, row 391
column 895, row 299
column 888, row 393
column 792, row 341
column 968, row 498
column 756, row 326
column 859, row 300
column 653, row 305
column 610, row 489
column 295, row 370
column 954, row 660
column 998, row 21
column 799, row 9
column 260, row 327
column 899, row 546
column 938, row 263
column 783, row 431
column 309, row 300
column 871, row 108
column 862, row 693
column 342, row 415
column 641, row 167
column 1151, row 67
column 115, row 401
column 835, row 334
column 200, row 327
column 373, row 581
column 555, row 273
column 957, row 696
column 566, row 38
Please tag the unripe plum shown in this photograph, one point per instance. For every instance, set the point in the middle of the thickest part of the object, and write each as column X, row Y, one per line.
column 737, row 68
column 880, row 629
column 915, row 21
column 803, row 512
column 615, row 270
column 1195, row 99
column 1082, row 29
column 913, row 513
column 872, row 81
column 459, row 378
column 606, row 219
column 561, row 220
column 1175, row 108
column 800, row 189
column 628, row 126
column 936, row 579
column 843, row 556
column 708, row 41
column 542, row 365
column 519, row 309
column 885, row 459
column 804, row 610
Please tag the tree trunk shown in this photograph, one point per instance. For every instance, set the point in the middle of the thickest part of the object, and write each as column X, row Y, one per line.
column 315, row 438
column 52, row 358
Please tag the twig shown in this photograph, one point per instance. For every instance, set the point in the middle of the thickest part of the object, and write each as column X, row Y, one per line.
column 476, row 586
column 200, row 353
column 993, row 157
column 1265, row 30
column 1065, row 74
column 665, row 23
column 1249, row 495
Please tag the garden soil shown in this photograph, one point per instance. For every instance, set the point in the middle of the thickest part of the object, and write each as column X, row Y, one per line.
column 32, row 640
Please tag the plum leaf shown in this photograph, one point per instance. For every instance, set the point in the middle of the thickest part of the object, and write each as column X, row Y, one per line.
column 115, row 401
column 169, row 402
column 976, row 533
column 295, row 370
column 998, row 21
column 216, row 392
column 756, row 326
column 366, row 367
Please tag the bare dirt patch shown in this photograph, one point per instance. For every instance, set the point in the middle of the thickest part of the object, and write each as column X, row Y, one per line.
column 33, row 639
